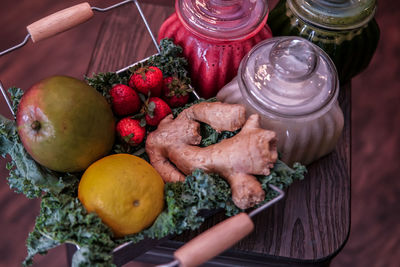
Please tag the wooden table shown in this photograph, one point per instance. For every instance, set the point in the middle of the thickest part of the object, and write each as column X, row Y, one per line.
column 308, row 228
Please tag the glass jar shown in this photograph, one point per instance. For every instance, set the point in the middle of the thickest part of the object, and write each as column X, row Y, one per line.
column 215, row 35
column 294, row 86
column 345, row 29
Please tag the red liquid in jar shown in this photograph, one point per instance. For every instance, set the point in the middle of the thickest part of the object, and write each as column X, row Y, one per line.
column 213, row 63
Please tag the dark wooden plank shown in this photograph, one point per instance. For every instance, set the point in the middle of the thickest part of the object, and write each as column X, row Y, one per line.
column 374, row 238
column 124, row 39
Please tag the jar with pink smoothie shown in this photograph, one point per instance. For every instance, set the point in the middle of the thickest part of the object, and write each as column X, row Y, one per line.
column 294, row 86
column 215, row 35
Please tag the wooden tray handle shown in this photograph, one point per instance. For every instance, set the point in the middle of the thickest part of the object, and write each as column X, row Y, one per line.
column 60, row 21
column 214, row 241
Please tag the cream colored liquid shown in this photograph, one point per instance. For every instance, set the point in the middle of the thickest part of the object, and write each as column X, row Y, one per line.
column 304, row 139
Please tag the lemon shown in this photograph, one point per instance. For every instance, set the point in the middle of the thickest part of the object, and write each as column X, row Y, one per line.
column 125, row 191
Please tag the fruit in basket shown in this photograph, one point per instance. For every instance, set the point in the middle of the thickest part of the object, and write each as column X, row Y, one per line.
column 175, row 92
column 147, row 80
column 65, row 124
column 131, row 131
column 124, row 100
column 125, row 191
column 156, row 109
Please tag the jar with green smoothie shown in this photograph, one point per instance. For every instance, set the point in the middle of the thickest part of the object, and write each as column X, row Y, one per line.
column 345, row 29
column 293, row 85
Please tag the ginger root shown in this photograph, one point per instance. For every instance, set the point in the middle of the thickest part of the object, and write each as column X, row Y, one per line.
column 174, row 153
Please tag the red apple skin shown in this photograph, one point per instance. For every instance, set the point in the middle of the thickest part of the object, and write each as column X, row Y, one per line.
column 65, row 124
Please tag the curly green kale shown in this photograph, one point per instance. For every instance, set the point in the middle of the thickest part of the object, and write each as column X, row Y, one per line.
column 170, row 60
column 15, row 95
column 63, row 219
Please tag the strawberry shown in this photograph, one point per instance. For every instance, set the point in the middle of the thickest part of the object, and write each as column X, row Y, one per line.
column 156, row 110
column 124, row 100
column 131, row 131
column 175, row 92
column 147, row 80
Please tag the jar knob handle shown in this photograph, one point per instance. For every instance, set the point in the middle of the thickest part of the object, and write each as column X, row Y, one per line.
column 294, row 59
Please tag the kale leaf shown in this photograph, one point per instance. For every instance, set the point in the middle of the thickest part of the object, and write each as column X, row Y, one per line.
column 37, row 243
column 170, row 61
column 15, row 95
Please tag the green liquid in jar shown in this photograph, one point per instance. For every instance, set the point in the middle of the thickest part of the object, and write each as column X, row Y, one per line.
column 351, row 49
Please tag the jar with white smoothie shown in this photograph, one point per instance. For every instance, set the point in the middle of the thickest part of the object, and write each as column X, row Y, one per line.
column 294, row 86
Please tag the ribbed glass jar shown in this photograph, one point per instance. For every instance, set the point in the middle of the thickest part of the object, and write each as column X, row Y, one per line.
column 215, row 35
column 345, row 29
column 294, row 86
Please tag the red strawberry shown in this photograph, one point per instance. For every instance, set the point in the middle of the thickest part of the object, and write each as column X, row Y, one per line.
column 124, row 100
column 175, row 92
column 131, row 131
column 156, row 110
column 147, row 79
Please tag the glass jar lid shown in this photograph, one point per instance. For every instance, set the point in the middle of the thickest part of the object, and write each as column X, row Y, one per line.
column 334, row 14
column 288, row 77
column 223, row 19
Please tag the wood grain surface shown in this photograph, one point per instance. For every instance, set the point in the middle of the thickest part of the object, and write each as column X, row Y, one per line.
column 116, row 47
column 374, row 238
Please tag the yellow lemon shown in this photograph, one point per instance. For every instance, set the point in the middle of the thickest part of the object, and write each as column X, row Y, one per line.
column 125, row 191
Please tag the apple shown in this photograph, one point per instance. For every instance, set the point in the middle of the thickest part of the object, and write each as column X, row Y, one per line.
column 65, row 124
